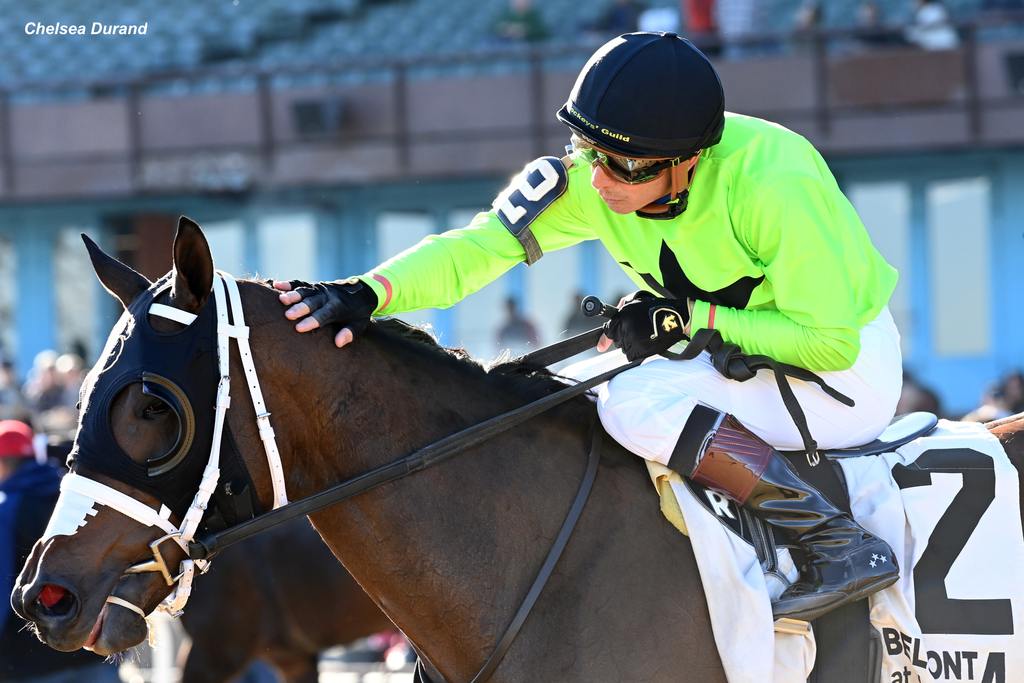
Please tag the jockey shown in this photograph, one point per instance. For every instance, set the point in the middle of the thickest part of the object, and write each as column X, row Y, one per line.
column 726, row 222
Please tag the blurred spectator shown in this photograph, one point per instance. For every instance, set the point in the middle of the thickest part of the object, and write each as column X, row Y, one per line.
column 28, row 492
column 808, row 17
column 659, row 19
column 520, row 22
column 700, row 24
column 517, row 331
column 43, row 388
column 70, row 372
column 622, row 16
column 931, row 28
column 12, row 402
column 806, row 25
column 872, row 31
column 1013, row 392
column 576, row 322
column 1004, row 399
column 916, row 396
column 52, row 392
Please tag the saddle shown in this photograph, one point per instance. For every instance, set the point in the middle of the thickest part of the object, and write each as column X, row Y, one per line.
column 849, row 649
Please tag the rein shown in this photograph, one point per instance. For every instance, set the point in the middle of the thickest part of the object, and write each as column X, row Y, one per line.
column 205, row 546
column 200, row 549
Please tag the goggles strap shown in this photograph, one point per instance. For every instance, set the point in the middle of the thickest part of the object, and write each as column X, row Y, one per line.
column 680, row 179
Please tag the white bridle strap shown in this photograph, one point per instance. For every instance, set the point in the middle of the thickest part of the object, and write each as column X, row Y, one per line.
column 113, row 600
column 211, row 475
column 172, row 313
column 241, row 335
column 123, row 503
column 225, row 293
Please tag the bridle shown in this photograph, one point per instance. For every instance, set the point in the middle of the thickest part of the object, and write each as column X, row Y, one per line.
column 80, row 495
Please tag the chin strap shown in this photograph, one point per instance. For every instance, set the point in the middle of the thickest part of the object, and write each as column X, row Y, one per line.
column 674, row 203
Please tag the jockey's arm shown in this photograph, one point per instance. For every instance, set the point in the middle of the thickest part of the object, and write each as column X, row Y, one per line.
column 828, row 281
column 443, row 269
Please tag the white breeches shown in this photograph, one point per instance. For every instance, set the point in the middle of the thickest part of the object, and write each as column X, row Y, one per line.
column 645, row 408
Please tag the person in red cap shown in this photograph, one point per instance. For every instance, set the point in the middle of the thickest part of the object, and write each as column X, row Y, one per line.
column 28, row 493
column 15, row 443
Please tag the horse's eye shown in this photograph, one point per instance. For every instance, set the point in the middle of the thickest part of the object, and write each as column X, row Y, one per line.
column 155, row 410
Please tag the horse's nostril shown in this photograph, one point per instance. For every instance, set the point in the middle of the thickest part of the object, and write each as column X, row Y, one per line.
column 55, row 600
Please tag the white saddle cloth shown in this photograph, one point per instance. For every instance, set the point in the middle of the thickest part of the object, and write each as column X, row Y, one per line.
column 955, row 527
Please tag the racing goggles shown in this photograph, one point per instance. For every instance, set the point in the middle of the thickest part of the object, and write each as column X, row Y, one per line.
column 624, row 169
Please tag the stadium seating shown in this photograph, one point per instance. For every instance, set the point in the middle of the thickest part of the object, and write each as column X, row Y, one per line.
column 278, row 35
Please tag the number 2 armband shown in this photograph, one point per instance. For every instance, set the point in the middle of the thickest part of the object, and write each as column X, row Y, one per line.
column 538, row 185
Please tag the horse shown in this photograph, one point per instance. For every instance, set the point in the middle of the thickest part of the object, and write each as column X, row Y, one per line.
column 286, row 622
column 448, row 552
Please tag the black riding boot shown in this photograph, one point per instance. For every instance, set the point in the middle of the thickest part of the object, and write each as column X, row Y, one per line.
column 844, row 562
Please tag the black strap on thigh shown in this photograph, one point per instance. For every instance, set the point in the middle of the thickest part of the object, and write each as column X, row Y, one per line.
column 732, row 363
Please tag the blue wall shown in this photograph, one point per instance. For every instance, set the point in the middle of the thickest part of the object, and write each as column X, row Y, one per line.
column 346, row 244
column 960, row 380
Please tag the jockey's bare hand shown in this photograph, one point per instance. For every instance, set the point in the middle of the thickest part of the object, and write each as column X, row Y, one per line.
column 348, row 303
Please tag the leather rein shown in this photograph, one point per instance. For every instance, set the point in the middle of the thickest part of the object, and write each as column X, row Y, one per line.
column 205, row 546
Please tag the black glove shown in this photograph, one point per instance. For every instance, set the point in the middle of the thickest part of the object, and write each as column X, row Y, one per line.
column 346, row 303
column 646, row 325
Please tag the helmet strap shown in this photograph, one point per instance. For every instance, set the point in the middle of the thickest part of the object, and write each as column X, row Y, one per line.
column 674, row 203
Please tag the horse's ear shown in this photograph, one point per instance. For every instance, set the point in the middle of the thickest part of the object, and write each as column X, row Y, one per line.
column 193, row 266
column 118, row 278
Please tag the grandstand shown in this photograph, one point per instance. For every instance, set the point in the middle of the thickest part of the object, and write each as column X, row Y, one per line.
column 291, row 36
column 344, row 130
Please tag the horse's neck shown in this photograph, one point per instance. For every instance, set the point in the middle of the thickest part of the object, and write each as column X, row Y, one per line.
column 446, row 552
column 1010, row 432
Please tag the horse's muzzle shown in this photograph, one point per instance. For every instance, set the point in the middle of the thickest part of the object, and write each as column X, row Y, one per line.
column 53, row 608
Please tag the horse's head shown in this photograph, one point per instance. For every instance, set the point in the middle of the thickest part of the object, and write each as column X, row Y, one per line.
column 112, row 549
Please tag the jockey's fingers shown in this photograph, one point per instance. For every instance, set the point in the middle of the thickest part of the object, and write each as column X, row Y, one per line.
column 604, row 343
column 344, row 337
column 623, row 300
column 307, row 324
column 283, row 285
column 299, row 310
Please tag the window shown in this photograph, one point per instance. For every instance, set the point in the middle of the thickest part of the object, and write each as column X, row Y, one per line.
column 551, row 285
column 287, row 246
column 614, row 283
column 884, row 208
column 478, row 316
column 227, row 244
column 8, row 293
column 958, row 224
column 75, row 295
column 396, row 232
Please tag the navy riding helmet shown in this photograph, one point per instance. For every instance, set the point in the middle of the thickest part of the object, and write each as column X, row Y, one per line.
column 652, row 95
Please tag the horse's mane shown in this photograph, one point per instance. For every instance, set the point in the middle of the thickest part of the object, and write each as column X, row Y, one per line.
column 514, row 374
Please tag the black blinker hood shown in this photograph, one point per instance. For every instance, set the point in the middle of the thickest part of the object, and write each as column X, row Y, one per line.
column 188, row 358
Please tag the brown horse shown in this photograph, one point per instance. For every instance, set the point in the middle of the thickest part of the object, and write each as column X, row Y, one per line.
column 449, row 552
column 297, row 601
